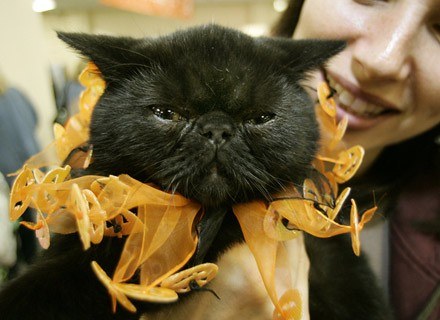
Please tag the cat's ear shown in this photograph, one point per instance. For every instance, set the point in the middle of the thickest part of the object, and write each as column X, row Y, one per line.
column 111, row 54
column 305, row 55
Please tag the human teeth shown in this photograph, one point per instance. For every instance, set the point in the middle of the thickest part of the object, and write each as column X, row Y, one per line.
column 352, row 103
column 376, row 110
column 332, row 82
column 338, row 87
column 359, row 106
column 373, row 110
column 346, row 98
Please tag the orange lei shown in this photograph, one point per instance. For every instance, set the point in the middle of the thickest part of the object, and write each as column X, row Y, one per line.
column 160, row 238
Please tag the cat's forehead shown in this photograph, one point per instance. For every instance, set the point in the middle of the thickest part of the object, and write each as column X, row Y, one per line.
column 226, row 79
column 204, row 85
column 213, row 52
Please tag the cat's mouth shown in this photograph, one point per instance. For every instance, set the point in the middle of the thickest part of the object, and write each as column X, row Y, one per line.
column 214, row 170
column 213, row 187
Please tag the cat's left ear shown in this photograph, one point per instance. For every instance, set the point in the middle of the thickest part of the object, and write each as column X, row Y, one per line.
column 305, row 55
column 111, row 54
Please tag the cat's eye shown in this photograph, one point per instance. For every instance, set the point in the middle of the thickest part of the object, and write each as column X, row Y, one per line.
column 261, row 119
column 166, row 113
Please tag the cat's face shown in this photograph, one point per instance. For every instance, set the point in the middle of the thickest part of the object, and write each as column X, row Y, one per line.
column 211, row 113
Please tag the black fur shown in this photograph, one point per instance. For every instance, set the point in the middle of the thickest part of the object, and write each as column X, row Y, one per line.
column 217, row 116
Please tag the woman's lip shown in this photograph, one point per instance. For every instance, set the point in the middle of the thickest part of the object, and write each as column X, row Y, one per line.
column 356, row 122
column 356, row 91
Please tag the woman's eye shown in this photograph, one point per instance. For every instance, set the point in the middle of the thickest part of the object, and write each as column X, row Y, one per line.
column 436, row 30
column 261, row 119
column 166, row 113
column 369, row 2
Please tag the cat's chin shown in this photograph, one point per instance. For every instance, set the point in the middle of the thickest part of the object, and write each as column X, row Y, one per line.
column 213, row 190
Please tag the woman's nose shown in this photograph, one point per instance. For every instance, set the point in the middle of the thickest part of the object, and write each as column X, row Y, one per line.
column 384, row 54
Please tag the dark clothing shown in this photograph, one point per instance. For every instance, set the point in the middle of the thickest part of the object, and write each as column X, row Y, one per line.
column 17, row 131
column 415, row 248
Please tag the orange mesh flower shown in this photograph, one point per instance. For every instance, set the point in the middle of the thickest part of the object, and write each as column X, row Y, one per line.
column 160, row 237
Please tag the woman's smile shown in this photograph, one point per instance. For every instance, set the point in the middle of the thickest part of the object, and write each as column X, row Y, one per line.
column 362, row 109
column 386, row 79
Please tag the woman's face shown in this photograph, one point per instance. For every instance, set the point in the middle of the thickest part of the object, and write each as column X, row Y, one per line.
column 387, row 80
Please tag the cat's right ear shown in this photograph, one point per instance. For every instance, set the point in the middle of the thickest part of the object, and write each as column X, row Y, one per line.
column 305, row 55
column 110, row 54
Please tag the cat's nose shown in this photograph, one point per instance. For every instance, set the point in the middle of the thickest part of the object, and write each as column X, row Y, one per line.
column 217, row 133
column 216, row 126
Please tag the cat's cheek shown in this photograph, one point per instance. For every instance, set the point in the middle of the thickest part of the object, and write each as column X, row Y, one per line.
column 169, row 131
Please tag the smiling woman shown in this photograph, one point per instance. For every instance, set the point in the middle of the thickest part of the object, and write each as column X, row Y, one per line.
column 386, row 79
column 386, row 83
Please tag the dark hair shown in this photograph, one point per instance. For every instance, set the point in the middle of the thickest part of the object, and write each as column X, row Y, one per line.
column 286, row 25
column 398, row 163
column 397, row 167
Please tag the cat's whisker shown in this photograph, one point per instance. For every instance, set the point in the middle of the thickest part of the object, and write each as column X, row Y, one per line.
column 174, row 188
column 231, row 196
column 170, row 185
column 261, row 179
column 254, row 182
column 275, row 182
column 173, row 185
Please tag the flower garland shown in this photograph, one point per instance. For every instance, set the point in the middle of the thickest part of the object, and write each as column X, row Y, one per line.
column 160, row 237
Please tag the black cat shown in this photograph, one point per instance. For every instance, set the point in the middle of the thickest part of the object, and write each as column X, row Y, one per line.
column 219, row 117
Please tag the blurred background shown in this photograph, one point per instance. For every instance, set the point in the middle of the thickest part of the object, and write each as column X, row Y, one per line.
column 38, row 74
